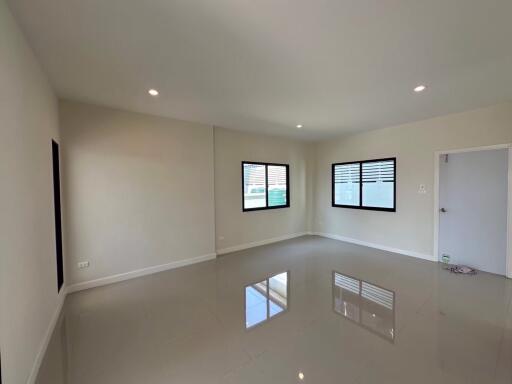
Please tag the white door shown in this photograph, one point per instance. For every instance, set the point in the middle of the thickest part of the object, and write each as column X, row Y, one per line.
column 473, row 209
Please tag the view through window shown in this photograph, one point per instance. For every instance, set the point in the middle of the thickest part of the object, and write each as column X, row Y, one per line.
column 265, row 186
column 369, row 184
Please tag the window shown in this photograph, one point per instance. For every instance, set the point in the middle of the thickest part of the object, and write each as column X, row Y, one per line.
column 265, row 186
column 369, row 184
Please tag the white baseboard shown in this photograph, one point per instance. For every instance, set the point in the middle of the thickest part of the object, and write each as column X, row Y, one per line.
column 241, row 247
column 47, row 337
column 418, row 255
column 138, row 273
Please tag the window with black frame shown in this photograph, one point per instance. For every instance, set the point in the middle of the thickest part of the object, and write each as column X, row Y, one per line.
column 265, row 186
column 368, row 184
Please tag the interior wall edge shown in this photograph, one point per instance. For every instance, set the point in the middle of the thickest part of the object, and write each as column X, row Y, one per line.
column 509, row 216
column 253, row 244
column 381, row 247
column 138, row 273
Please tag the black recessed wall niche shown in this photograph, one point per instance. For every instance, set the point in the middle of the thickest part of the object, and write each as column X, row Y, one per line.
column 58, row 215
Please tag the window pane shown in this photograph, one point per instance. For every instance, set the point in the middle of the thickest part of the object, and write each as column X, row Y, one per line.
column 378, row 184
column 276, row 185
column 346, row 184
column 254, row 186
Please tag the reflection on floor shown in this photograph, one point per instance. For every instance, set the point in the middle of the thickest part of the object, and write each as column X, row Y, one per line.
column 366, row 304
column 266, row 299
column 395, row 320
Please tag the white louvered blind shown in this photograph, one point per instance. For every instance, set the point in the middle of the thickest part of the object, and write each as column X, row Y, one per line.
column 346, row 282
column 378, row 184
column 377, row 295
column 346, row 184
column 366, row 184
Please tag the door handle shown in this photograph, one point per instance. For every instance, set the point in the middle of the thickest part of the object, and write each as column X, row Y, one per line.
column 443, row 210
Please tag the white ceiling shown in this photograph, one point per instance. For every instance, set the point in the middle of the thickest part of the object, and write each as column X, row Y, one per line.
column 334, row 66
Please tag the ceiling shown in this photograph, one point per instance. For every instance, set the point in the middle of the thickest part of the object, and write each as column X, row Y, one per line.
column 335, row 66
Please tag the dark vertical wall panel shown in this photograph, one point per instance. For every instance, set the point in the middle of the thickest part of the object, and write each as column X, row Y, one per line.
column 58, row 216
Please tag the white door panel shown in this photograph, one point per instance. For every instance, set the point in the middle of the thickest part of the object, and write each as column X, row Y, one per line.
column 473, row 191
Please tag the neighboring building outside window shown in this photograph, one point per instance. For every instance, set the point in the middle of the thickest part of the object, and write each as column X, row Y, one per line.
column 265, row 186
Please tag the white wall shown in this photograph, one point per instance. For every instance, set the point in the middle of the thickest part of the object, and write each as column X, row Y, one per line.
column 235, row 228
column 108, row 152
column 138, row 190
column 28, row 281
column 411, row 228
column 310, row 186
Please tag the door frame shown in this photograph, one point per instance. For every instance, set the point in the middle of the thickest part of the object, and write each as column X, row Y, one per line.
column 437, row 155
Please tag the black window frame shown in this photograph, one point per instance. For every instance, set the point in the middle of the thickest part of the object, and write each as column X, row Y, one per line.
column 287, row 205
column 361, row 206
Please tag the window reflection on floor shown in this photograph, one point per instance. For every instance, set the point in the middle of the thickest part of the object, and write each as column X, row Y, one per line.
column 366, row 304
column 266, row 299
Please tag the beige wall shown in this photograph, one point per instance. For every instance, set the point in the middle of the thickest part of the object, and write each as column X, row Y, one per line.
column 138, row 190
column 28, row 282
column 236, row 228
column 310, row 186
column 411, row 227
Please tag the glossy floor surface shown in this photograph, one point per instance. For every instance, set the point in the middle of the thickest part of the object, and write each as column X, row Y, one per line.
column 308, row 310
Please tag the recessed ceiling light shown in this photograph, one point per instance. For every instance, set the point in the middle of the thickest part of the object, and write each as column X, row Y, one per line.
column 299, row 126
column 301, row 376
column 420, row 88
column 153, row 92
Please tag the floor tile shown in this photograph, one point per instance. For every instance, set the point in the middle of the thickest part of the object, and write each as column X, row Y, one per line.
column 395, row 320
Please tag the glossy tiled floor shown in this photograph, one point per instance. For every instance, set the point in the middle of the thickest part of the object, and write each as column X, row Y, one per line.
column 308, row 310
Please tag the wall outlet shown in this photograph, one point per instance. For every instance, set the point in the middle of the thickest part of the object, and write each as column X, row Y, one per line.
column 83, row 264
column 422, row 189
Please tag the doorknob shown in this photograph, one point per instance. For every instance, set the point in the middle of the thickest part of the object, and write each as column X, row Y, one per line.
column 442, row 210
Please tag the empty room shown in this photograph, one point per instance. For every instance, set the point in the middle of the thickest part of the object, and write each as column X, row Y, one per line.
column 273, row 191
